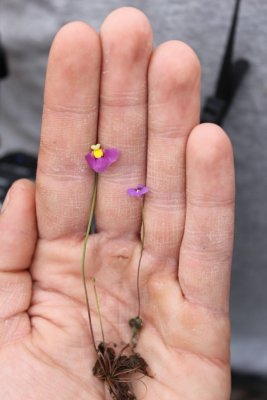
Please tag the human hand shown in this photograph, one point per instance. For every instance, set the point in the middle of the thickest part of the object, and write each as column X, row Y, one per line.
column 148, row 108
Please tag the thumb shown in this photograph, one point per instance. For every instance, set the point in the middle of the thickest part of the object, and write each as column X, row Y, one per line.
column 17, row 244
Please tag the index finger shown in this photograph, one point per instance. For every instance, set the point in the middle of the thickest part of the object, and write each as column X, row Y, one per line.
column 64, row 182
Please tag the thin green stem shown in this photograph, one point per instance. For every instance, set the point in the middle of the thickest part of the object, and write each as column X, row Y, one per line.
column 98, row 309
column 83, row 260
column 139, row 262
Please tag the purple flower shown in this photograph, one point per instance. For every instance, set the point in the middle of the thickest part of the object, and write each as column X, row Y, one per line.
column 139, row 191
column 100, row 159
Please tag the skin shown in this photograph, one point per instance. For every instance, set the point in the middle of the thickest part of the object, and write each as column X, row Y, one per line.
column 113, row 88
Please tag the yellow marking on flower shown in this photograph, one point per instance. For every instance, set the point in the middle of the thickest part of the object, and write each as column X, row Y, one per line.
column 97, row 151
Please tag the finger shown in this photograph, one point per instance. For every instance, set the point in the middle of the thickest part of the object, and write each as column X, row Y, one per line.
column 206, row 250
column 17, row 244
column 127, row 42
column 64, row 182
column 174, row 85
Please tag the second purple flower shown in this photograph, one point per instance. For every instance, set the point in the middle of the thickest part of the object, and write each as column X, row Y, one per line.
column 139, row 191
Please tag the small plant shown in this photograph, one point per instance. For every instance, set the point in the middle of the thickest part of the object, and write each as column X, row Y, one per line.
column 115, row 368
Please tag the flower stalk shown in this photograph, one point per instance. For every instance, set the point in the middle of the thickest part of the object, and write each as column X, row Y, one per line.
column 136, row 323
column 140, row 259
column 93, row 201
column 98, row 308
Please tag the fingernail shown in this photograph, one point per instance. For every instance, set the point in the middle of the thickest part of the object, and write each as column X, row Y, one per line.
column 6, row 201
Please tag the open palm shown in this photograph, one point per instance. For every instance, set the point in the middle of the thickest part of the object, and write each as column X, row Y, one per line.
column 113, row 89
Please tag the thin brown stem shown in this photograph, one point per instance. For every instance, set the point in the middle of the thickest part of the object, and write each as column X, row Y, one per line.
column 83, row 261
column 98, row 308
column 139, row 262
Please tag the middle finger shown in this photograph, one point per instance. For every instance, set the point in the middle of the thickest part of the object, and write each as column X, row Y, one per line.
column 127, row 44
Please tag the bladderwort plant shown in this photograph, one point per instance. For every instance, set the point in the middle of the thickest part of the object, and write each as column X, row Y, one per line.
column 114, row 368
